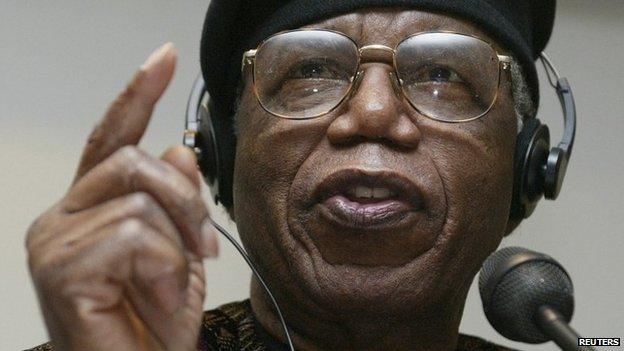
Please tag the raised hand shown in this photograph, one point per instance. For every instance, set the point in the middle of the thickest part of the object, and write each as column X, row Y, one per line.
column 117, row 261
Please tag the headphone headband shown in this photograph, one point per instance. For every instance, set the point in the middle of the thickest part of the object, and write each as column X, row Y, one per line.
column 557, row 162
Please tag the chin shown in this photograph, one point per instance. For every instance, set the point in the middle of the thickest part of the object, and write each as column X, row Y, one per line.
column 428, row 278
column 388, row 291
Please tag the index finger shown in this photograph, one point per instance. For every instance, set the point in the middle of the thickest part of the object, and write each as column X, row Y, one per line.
column 127, row 117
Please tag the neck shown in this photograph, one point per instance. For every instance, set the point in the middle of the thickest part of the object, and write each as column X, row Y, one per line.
column 323, row 330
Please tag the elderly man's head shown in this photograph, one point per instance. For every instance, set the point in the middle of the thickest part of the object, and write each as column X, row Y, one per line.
column 301, row 186
column 377, row 189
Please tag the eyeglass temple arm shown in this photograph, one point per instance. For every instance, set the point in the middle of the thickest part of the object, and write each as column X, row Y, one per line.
column 248, row 58
column 505, row 60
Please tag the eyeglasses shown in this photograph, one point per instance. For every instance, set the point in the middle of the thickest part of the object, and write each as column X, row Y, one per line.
column 446, row 76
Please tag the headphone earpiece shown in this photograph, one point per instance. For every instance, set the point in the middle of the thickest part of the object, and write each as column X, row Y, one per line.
column 538, row 169
column 532, row 147
column 222, row 128
column 209, row 135
column 207, row 158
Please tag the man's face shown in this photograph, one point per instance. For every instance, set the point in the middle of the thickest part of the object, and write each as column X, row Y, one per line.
column 299, row 187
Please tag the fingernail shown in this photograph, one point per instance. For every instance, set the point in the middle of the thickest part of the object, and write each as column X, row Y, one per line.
column 157, row 55
column 209, row 244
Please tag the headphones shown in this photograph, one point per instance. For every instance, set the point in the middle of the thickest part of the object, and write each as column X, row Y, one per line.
column 539, row 170
column 213, row 141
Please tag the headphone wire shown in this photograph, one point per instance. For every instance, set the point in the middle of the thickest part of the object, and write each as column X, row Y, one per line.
column 241, row 250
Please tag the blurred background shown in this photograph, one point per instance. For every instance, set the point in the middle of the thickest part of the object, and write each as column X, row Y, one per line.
column 62, row 62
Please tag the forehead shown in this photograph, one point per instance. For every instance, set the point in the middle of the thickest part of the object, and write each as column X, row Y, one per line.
column 388, row 26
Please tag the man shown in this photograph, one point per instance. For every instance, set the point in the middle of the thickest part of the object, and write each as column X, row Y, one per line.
column 373, row 174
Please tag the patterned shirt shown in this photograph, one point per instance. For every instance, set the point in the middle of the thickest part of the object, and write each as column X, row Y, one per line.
column 233, row 327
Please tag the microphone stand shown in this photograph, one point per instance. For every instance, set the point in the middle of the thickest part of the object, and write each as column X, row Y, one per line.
column 554, row 325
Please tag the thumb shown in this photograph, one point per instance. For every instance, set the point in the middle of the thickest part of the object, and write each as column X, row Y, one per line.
column 184, row 160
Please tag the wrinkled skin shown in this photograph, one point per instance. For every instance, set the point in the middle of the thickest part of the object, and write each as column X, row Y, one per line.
column 117, row 261
column 373, row 289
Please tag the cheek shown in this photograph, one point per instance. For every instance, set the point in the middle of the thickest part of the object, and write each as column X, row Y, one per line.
column 477, row 180
column 270, row 151
column 475, row 163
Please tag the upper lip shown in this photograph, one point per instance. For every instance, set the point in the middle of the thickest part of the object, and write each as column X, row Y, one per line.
column 339, row 182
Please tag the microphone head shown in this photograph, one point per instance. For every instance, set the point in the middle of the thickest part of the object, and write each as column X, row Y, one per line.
column 514, row 283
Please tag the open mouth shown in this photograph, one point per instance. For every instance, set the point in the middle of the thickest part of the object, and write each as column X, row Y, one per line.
column 361, row 199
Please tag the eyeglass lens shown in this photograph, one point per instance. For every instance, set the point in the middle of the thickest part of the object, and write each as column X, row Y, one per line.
column 445, row 76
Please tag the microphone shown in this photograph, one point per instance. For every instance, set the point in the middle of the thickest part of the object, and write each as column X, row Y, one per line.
column 527, row 296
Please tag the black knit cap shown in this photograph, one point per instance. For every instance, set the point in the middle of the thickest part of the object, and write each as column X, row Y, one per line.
column 234, row 26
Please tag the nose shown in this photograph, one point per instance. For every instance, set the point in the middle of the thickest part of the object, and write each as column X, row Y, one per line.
column 375, row 112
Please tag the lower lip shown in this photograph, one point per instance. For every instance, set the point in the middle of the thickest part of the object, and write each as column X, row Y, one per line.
column 366, row 215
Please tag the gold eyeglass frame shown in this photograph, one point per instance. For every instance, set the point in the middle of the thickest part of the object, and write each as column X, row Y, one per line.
column 504, row 62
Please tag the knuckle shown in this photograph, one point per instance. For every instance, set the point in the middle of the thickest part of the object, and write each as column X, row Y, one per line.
column 174, row 266
column 41, row 227
column 189, row 201
column 129, row 154
column 33, row 232
column 142, row 203
column 128, row 160
column 133, row 231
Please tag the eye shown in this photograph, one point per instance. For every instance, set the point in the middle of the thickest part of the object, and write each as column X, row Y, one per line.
column 315, row 69
column 311, row 70
column 442, row 74
column 435, row 74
